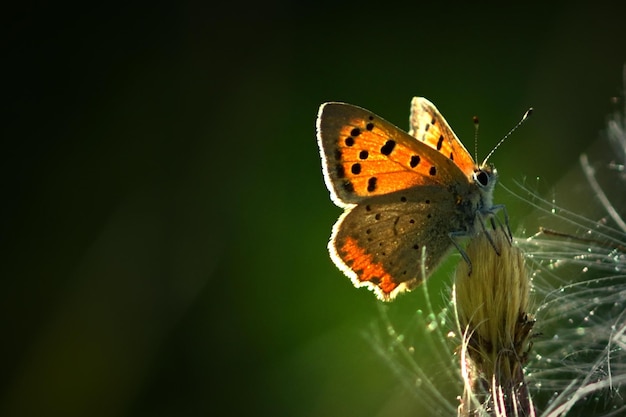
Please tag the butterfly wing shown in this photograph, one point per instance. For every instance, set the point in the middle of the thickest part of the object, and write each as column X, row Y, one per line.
column 363, row 155
column 429, row 126
column 379, row 243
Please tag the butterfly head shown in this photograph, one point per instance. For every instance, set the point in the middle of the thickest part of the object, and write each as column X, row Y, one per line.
column 485, row 178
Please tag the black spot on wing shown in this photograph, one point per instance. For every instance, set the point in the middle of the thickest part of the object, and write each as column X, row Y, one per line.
column 388, row 147
column 371, row 184
column 440, row 143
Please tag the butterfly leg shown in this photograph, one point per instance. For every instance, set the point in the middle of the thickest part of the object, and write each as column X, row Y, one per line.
column 481, row 220
column 502, row 207
column 453, row 236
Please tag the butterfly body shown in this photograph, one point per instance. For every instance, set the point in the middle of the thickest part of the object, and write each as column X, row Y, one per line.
column 406, row 196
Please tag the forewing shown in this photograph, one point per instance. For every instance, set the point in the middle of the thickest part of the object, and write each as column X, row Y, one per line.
column 429, row 126
column 364, row 156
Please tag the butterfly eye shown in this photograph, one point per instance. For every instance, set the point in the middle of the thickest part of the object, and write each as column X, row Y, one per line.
column 482, row 178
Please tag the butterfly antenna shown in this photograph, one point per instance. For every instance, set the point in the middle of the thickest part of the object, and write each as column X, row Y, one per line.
column 526, row 116
column 475, row 119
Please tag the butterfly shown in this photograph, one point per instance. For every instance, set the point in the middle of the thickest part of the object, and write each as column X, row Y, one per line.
column 406, row 197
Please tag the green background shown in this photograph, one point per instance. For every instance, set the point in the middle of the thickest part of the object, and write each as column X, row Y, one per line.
column 164, row 220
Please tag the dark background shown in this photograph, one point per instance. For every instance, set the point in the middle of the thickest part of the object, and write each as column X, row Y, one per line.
column 164, row 219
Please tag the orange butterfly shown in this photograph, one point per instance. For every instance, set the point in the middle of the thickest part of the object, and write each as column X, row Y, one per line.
column 402, row 193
